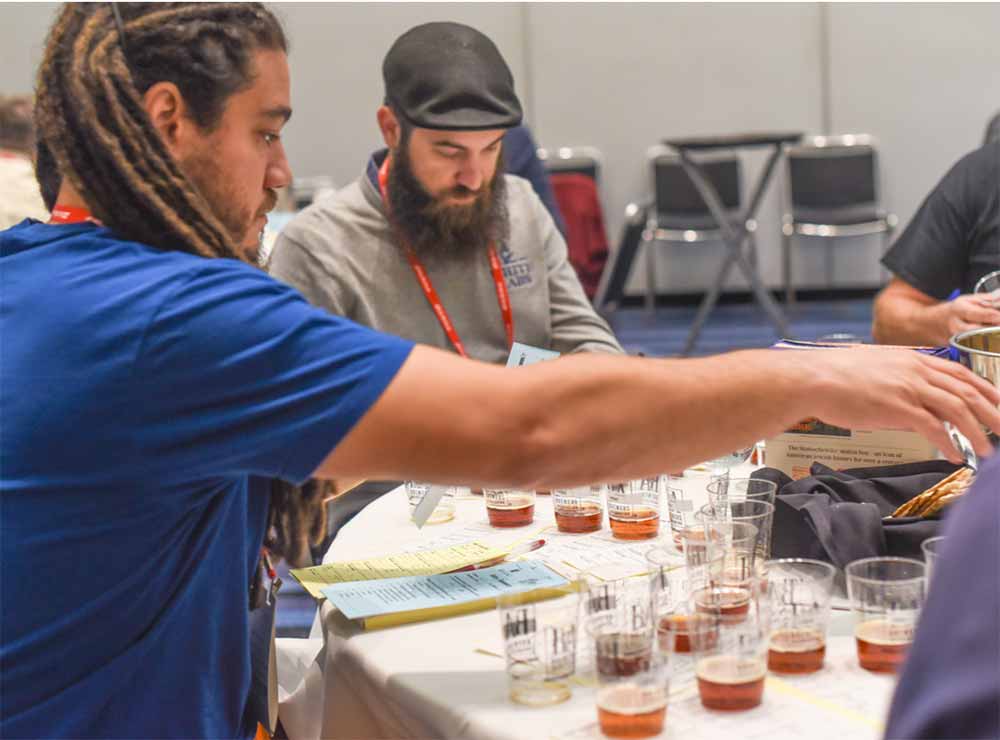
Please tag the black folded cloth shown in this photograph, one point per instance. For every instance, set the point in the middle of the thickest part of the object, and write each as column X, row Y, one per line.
column 838, row 515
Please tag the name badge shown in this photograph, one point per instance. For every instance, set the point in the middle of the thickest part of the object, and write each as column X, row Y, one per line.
column 525, row 354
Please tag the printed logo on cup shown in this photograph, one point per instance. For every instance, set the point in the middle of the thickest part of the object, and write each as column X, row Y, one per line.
column 500, row 498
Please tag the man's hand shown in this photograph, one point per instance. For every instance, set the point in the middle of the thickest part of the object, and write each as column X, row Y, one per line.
column 905, row 315
column 970, row 311
column 886, row 388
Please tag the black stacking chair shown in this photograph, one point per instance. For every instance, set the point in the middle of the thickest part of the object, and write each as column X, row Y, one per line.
column 611, row 290
column 678, row 214
column 583, row 160
column 833, row 188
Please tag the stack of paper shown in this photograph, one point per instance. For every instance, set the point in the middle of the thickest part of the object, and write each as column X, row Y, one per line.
column 393, row 601
column 395, row 566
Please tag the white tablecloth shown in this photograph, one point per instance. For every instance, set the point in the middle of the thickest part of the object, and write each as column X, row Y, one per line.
column 437, row 680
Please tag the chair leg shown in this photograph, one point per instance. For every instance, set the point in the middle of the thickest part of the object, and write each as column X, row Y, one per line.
column 883, row 274
column 648, row 245
column 786, row 268
column 828, row 255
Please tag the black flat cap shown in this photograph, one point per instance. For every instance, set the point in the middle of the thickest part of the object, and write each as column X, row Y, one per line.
column 450, row 77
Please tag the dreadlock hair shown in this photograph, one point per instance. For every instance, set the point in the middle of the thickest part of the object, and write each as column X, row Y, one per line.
column 93, row 131
column 298, row 519
column 47, row 174
column 90, row 115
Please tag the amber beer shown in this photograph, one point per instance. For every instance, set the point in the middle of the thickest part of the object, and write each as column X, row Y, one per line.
column 796, row 651
column 731, row 682
column 510, row 508
column 622, row 653
column 674, row 633
column 638, row 523
column 579, row 518
column 629, row 710
column 882, row 645
column 729, row 601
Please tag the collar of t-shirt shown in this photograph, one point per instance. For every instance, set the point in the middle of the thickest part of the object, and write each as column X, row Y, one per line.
column 374, row 163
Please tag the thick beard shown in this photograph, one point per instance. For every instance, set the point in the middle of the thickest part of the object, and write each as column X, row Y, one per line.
column 435, row 230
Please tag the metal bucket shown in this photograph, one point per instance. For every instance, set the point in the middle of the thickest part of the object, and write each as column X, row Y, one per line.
column 979, row 350
column 988, row 283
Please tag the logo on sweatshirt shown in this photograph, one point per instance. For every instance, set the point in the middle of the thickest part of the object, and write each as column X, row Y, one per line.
column 516, row 270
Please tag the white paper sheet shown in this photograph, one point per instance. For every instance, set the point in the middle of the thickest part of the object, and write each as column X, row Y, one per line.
column 575, row 554
column 841, row 701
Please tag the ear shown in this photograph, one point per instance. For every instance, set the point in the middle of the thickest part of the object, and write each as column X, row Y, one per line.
column 392, row 133
column 167, row 111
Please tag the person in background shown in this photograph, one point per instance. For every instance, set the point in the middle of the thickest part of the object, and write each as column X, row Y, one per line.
column 952, row 242
column 434, row 242
column 154, row 379
column 433, row 88
column 520, row 154
column 950, row 683
column 992, row 130
column 19, row 196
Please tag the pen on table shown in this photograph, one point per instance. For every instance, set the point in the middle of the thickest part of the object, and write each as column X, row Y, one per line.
column 515, row 552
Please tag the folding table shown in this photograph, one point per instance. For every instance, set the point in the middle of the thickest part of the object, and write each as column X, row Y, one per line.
column 734, row 235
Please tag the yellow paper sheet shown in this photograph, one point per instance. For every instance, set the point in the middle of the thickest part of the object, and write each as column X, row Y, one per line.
column 395, row 566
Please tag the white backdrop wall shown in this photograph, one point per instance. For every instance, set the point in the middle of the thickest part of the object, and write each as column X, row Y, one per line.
column 922, row 78
column 336, row 60
column 22, row 39
column 623, row 77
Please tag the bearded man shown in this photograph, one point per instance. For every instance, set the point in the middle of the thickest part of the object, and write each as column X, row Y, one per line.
column 434, row 242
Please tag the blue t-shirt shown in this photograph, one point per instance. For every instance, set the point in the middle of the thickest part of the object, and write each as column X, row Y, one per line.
column 142, row 392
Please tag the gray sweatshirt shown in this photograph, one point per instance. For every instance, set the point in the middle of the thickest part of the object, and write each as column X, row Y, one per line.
column 342, row 255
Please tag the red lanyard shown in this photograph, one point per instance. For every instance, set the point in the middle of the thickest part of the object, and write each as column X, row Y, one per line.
column 503, row 299
column 63, row 214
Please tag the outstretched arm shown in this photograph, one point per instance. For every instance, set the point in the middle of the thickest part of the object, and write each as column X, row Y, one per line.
column 590, row 418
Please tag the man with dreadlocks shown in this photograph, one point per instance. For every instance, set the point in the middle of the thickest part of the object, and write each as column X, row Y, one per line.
column 151, row 376
column 130, row 564
column 434, row 242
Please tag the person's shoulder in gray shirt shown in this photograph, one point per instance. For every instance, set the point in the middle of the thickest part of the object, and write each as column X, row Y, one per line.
column 329, row 250
column 342, row 255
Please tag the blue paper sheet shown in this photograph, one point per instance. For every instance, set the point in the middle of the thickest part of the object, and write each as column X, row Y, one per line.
column 358, row 599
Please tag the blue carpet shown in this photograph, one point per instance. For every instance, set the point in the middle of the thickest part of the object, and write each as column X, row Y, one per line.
column 735, row 326
column 731, row 326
